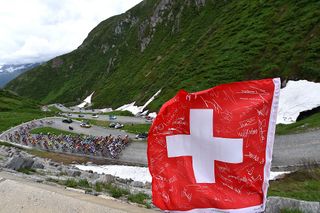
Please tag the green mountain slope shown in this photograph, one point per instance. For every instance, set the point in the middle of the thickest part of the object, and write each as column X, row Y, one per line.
column 190, row 44
column 15, row 110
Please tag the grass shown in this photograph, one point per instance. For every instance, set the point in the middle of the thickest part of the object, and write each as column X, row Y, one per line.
column 114, row 191
column 50, row 130
column 96, row 122
column 54, row 109
column 71, row 183
column 140, row 198
column 2, row 143
column 15, row 110
column 132, row 128
column 66, row 158
column 309, row 123
column 137, row 128
column 11, row 119
column 27, row 171
column 303, row 185
column 120, row 113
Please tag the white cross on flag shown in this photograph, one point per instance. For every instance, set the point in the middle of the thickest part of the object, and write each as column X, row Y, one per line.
column 211, row 151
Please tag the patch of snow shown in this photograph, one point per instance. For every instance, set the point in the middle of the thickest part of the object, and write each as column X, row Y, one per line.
column 296, row 97
column 151, row 99
column 126, row 172
column 86, row 101
column 137, row 109
column 152, row 114
column 131, row 108
column 11, row 69
column 144, row 113
column 140, row 173
column 277, row 175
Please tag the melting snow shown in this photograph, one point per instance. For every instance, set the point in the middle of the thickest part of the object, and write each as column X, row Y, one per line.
column 296, row 97
column 127, row 172
column 140, row 173
column 137, row 109
column 86, row 101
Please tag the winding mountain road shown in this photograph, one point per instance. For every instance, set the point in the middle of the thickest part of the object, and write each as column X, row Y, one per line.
column 288, row 150
column 120, row 119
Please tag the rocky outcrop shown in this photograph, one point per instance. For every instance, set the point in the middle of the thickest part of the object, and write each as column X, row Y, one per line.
column 275, row 204
column 19, row 162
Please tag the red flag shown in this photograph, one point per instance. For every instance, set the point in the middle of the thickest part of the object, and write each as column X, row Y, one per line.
column 211, row 151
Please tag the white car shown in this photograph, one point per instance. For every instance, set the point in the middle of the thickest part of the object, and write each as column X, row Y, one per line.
column 95, row 116
column 85, row 125
column 118, row 126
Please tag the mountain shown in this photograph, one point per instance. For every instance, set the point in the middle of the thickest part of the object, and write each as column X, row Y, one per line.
column 11, row 102
column 11, row 71
column 185, row 44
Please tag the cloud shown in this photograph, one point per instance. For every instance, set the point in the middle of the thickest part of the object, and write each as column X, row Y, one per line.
column 37, row 30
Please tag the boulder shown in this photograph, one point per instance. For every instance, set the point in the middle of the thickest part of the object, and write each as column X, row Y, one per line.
column 38, row 165
column 275, row 204
column 19, row 162
column 124, row 181
column 138, row 184
column 105, row 179
column 73, row 172
column 147, row 185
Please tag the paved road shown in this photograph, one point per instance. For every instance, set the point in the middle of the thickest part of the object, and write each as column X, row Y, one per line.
column 20, row 195
column 134, row 154
column 296, row 149
column 120, row 119
column 288, row 150
column 77, row 109
column 58, row 124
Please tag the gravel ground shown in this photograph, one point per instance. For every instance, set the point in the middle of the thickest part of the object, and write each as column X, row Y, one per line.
column 19, row 195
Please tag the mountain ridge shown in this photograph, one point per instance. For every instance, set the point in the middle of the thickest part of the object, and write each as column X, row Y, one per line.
column 11, row 71
column 172, row 45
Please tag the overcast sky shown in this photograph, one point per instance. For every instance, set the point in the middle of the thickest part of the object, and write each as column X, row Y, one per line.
column 37, row 30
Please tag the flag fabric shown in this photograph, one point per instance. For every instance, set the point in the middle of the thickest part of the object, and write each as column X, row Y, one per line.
column 211, row 151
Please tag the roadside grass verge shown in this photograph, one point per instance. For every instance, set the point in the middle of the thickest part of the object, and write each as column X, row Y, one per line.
column 109, row 188
column 116, row 113
column 54, row 109
column 120, row 113
column 66, row 158
column 140, row 198
column 309, row 123
column 52, row 131
column 137, row 128
column 131, row 128
column 3, row 143
column 96, row 122
column 303, row 184
column 27, row 171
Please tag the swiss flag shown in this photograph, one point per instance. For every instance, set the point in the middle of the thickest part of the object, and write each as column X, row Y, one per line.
column 211, row 151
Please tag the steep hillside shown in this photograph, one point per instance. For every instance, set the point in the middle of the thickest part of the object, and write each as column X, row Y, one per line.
column 14, row 110
column 12, row 102
column 190, row 44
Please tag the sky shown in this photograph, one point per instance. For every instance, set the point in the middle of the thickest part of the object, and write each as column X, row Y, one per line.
column 38, row 30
